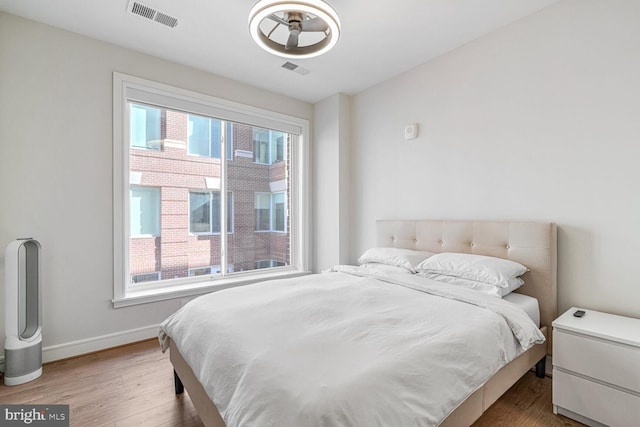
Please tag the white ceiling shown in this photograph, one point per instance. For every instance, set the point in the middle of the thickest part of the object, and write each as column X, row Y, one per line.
column 380, row 39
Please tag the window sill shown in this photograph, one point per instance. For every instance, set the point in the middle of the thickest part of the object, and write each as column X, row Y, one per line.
column 198, row 288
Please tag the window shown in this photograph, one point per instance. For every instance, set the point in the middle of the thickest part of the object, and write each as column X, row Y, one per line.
column 268, row 263
column 270, row 211
column 204, row 212
column 263, row 211
column 178, row 203
column 205, row 271
column 205, row 137
column 145, row 211
column 145, row 277
column 278, row 212
column 268, row 146
column 145, row 127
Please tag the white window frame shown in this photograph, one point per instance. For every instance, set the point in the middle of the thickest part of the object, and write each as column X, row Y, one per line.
column 128, row 88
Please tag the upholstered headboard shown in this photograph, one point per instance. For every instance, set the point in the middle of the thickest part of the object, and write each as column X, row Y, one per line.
column 530, row 243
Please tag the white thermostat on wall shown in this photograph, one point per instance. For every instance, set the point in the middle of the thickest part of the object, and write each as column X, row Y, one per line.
column 411, row 131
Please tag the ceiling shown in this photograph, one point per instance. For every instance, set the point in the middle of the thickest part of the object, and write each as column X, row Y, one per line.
column 380, row 39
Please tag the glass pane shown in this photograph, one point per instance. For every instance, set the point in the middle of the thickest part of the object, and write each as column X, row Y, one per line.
column 229, row 141
column 203, row 271
column 153, row 127
column 230, row 212
column 138, row 134
column 261, row 145
column 144, row 129
column 215, row 212
column 278, row 211
column 176, row 199
column 216, row 140
column 200, row 213
column 263, row 206
column 253, row 184
column 198, row 136
column 145, row 211
column 145, row 277
column 277, row 146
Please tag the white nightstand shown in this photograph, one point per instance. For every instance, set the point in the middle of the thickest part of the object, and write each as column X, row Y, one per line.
column 596, row 368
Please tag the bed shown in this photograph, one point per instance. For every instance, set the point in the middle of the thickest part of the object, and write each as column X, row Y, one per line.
column 532, row 244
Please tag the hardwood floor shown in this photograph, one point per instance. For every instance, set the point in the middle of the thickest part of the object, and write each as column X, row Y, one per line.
column 133, row 386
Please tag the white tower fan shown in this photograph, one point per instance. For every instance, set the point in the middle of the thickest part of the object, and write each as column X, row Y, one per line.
column 23, row 312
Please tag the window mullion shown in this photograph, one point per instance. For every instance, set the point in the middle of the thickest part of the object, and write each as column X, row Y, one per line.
column 209, row 138
column 223, row 198
column 269, row 147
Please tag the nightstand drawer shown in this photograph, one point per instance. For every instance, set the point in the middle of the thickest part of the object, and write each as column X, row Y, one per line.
column 598, row 402
column 603, row 360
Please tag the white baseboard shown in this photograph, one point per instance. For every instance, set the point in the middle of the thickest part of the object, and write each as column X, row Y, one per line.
column 89, row 345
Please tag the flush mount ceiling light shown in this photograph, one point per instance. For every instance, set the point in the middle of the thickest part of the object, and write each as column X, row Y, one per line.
column 294, row 29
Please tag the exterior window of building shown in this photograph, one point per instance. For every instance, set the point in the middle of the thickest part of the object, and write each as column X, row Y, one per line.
column 268, row 263
column 145, row 211
column 278, row 212
column 205, row 271
column 185, row 217
column 204, row 212
column 269, row 146
column 263, row 211
column 205, row 135
column 145, row 127
column 145, row 277
column 270, row 211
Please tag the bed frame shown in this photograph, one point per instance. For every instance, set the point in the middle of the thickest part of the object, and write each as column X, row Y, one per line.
column 530, row 243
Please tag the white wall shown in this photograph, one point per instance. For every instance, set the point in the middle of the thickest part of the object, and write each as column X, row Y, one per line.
column 331, row 170
column 56, row 172
column 537, row 121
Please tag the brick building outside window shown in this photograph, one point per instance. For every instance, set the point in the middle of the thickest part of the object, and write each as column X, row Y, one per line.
column 176, row 177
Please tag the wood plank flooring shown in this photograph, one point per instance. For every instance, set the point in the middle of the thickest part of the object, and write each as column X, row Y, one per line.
column 133, row 386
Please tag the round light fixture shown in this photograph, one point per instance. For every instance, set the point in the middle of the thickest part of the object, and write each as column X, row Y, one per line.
column 294, row 29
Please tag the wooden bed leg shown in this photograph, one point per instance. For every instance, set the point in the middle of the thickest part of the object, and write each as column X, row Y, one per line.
column 177, row 383
column 540, row 367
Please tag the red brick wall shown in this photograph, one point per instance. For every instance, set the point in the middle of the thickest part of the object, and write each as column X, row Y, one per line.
column 175, row 173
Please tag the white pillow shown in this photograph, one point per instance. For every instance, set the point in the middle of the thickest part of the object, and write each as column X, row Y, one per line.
column 479, row 268
column 406, row 258
column 485, row 288
column 377, row 268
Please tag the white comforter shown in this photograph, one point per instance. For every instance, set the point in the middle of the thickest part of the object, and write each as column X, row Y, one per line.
column 346, row 349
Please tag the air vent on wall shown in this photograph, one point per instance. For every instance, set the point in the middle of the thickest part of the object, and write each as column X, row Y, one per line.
column 150, row 13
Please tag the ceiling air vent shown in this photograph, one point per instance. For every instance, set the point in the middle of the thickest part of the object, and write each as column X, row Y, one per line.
column 295, row 68
column 150, row 13
column 289, row 66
